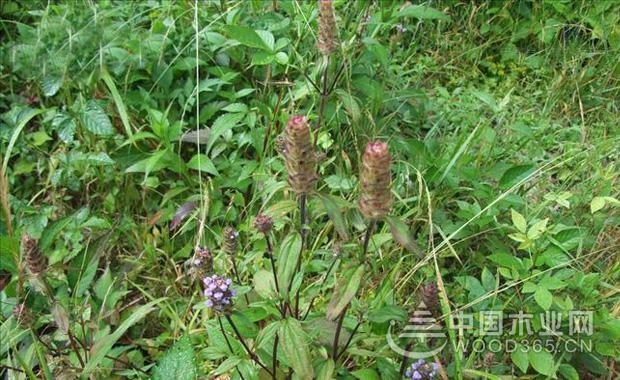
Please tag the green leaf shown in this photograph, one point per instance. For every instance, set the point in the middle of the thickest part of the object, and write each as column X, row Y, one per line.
column 326, row 370
column 295, row 347
column 227, row 365
column 537, row 229
column 118, row 101
column 261, row 58
column 222, row 124
column 366, row 374
column 247, row 36
column 333, row 211
column 518, row 221
column 344, row 292
column 203, row 163
column 422, row 12
column 388, row 313
column 288, row 254
column 102, row 346
column 598, row 203
column 519, row 358
column 543, row 297
column 179, row 362
column 403, row 236
column 568, row 372
column 542, row 362
column 96, row 120
column 24, row 116
column 282, row 58
column 51, row 84
column 264, row 284
column 514, row 175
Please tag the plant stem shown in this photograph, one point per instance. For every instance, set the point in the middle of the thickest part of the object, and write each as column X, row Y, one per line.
column 403, row 366
column 369, row 230
column 245, row 346
column 359, row 323
column 331, row 266
column 219, row 320
column 325, row 91
column 337, row 336
column 302, row 227
column 236, row 273
column 275, row 356
column 273, row 270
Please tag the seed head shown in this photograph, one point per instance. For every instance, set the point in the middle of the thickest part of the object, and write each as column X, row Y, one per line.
column 263, row 223
column 300, row 155
column 231, row 240
column 23, row 316
column 328, row 39
column 218, row 293
column 36, row 262
column 430, row 297
column 375, row 198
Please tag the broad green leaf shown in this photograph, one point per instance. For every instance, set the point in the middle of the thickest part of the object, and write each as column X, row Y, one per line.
column 403, row 236
column 118, row 101
column 294, row 344
column 543, row 297
column 514, row 175
column 51, row 84
column 422, row 12
column 203, row 163
column 519, row 358
column 537, row 229
column 261, row 58
column 288, row 255
column 264, row 284
column 267, row 38
column 388, row 313
column 345, row 290
column 333, row 211
column 23, row 117
column 366, row 374
column 568, row 372
column 282, row 58
column 518, row 221
column 96, row 120
column 103, row 346
column 597, row 204
column 179, row 362
column 246, row 36
column 227, row 365
column 326, row 370
column 350, row 104
column 542, row 362
column 222, row 124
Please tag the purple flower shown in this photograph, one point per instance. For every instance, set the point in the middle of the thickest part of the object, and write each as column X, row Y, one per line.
column 218, row 292
column 421, row 370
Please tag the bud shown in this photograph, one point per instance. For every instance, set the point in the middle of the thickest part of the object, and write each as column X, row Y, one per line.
column 36, row 262
column 300, row 156
column 263, row 223
column 375, row 197
column 200, row 264
column 328, row 40
column 231, row 240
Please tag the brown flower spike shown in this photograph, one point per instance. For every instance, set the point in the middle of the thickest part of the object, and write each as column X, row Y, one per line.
column 300, row 156
column 328, row 40
column 36, row 262
column 375, row 199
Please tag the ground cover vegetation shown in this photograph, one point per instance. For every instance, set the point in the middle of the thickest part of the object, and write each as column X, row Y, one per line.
column 284, row 189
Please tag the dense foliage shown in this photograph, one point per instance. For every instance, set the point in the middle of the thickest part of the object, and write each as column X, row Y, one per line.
column 218, row 189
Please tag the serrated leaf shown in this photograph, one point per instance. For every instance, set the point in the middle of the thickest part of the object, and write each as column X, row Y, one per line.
column 288, row 255
column 333, row 211
column 518, row 221
column 294, row 345
column 543, row 297
column 96, row 120
column 515, row 175
column 51, row 84
column 203, row 163
column 403, row 236
column 422, row 12
column 246, row 36
column 542, row 362
column 519, row 358
column 65, row 127
column 179, row 362
column 344, row 292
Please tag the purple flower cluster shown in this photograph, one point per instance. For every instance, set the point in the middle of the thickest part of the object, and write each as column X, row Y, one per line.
column 421, row 370
column 218, row 292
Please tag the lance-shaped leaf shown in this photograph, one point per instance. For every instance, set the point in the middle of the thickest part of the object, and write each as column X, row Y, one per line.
column 344, row 292
column 288, row 254
column 295, row 347
column 182, row 213
column 403, row 236
column 333, row 211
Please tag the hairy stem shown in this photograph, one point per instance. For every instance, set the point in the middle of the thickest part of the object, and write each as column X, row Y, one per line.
column 357, row 326
column 219, row 320
column 275, row 356
column 302, row 227
column 236, row 273
column 331, row 266
column 369, row 231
